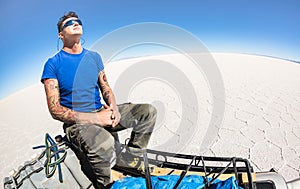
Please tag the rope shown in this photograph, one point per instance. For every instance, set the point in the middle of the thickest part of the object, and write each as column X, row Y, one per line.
column 53, row 158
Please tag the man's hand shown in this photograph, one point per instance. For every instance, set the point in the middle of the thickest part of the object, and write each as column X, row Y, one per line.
column 115, row 116
column 105, row 117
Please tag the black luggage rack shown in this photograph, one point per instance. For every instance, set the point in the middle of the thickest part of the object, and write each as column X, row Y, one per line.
column 209, row 166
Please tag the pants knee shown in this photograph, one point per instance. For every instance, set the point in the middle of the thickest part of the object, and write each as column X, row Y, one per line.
column 151, row 111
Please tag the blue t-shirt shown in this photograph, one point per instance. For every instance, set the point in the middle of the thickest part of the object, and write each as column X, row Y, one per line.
column 77, row 76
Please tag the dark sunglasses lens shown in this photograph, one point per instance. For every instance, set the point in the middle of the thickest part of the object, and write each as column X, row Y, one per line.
column 71, row 22
column 79, row 22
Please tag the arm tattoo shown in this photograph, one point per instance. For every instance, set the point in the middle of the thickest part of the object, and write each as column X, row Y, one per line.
column 57, row 111
column 106, row 91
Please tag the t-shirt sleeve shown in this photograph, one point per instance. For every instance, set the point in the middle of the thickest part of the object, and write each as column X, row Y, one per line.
column 49, row 71
column 99, row 63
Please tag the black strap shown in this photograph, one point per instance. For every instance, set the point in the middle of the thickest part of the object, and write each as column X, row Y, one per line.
column 183, row 173
column 147, row 171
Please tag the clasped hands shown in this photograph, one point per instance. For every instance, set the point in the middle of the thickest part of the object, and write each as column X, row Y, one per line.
column 109, row 116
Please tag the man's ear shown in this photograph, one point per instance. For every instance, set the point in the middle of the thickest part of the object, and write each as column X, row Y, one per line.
column 60, row 35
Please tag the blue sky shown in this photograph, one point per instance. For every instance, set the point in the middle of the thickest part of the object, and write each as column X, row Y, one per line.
column 29, row 33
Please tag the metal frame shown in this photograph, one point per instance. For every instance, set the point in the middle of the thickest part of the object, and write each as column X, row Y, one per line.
column 196, row 164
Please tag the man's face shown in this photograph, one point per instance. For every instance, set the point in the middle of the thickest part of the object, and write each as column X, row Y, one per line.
column 72, row 26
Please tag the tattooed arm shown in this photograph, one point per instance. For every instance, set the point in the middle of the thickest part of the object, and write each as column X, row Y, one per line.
column 109, row 97
column 67, row 115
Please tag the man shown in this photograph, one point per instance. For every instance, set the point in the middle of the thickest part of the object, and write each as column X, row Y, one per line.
column 73, row 80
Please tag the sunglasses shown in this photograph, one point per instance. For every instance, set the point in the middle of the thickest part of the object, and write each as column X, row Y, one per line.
column 71, row 22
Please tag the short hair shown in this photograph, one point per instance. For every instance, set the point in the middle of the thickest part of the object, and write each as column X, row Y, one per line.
column 64, row 17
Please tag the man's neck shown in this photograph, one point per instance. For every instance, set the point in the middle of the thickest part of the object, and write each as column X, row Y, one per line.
column 73, row 50
column 73, row 47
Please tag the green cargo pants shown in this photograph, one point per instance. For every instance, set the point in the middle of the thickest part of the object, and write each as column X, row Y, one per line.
column 96, row 146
